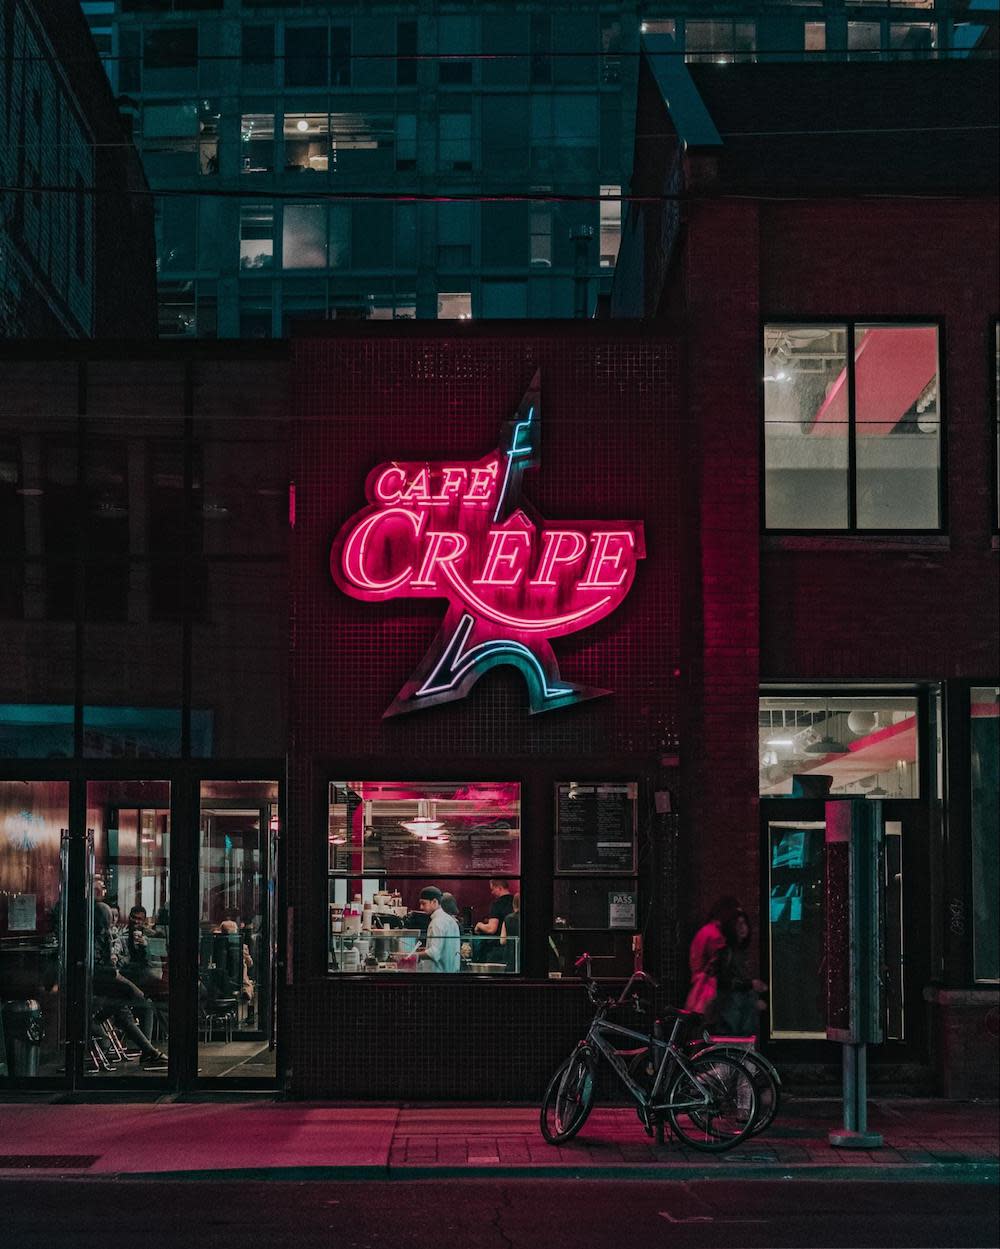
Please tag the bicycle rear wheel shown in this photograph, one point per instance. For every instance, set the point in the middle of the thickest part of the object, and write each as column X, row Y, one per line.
column 727, row 1117
column 767, row 1086
column 569, row 1097
column 766, row 1082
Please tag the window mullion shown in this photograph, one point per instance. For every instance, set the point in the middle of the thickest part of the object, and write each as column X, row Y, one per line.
column 852, row 450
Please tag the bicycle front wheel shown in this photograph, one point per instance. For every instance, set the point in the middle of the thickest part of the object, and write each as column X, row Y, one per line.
column 714, row 1107
column 569, row 1097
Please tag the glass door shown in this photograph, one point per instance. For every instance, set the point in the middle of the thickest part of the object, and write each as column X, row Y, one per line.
column 238, row 829
column 34, row 838
column 127, row 882
column 795, row 913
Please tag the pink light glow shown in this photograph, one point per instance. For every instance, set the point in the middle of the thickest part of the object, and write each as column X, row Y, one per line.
column 459, row 531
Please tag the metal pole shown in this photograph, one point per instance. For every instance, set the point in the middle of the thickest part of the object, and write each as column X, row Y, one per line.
column 855, row 1134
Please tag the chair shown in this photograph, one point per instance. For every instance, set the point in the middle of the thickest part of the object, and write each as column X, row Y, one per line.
column 219, row 1005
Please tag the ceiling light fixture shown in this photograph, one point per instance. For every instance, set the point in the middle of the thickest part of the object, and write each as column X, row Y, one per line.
column 827, row 745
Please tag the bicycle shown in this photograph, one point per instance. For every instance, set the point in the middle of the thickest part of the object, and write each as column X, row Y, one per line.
column 709, row 1099
column 766, row 1080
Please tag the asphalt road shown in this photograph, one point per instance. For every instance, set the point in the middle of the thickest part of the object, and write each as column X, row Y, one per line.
column 497, row 1214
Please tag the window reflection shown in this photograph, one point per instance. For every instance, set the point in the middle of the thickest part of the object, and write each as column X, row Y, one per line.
column 34, row 817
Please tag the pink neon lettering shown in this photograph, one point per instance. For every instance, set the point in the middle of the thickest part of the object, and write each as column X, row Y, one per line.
column 483, row 481
column 593, row 610
column 601, row 556
column 436, row 554
column 383, row 492
column 453, row 481
column 553, row 553
column 419, row 489
column 353, row 558
column 506, row 547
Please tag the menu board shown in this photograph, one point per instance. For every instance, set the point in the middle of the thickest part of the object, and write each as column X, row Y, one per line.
column 596, row 827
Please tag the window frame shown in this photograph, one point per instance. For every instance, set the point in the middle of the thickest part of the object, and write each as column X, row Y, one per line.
column 328, row 775
column 851, row 322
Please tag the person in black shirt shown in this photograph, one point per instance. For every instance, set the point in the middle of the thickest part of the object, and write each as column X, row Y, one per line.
column 500, row 908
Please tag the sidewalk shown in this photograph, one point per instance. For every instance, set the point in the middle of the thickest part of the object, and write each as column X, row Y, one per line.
column 255, row 1139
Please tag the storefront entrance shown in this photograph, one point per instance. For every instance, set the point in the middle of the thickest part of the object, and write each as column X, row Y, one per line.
column 137, row 931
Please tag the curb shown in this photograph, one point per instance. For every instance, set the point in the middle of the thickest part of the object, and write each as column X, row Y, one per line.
column 950, row 1172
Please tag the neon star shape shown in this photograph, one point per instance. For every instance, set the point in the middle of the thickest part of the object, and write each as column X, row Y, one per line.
column 461, row 531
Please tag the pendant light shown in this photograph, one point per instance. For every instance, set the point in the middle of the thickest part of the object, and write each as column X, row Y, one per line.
column 827, row 745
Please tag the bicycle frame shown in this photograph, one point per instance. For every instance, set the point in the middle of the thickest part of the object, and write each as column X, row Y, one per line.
column 671, row 1057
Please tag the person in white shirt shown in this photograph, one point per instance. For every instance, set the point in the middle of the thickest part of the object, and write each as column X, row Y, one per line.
column 440, row 951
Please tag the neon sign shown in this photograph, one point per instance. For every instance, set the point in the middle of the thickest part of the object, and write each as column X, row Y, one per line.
column 462, row 532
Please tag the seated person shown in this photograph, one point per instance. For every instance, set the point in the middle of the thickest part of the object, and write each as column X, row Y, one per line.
column 229, row 928
column 115, row 996
column 137, row 962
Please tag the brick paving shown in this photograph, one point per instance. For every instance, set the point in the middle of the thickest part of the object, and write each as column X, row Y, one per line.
column 923, row 1139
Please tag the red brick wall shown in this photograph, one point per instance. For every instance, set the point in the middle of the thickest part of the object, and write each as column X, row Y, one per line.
column 721, row 544
column 862, row 607
column 610, row 428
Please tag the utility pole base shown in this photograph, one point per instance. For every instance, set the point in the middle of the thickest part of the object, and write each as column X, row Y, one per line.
column 845, row 1139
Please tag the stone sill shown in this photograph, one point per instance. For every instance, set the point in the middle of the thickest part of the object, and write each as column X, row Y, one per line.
column 858, row 542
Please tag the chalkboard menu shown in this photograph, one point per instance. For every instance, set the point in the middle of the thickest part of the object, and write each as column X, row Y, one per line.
column 596, row 827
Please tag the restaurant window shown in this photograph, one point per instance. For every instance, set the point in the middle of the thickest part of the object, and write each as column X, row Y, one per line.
column 720, row 41
column 400, row 852
column 984, row 731
column 595, row 901
column 852, row 427
column 811, row 746
column 257, row 142
column 256, row 236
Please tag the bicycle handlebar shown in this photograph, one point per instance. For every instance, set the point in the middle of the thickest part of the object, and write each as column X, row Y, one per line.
column 582, row 966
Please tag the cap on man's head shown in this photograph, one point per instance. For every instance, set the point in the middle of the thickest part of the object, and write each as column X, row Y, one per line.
column 431, row 893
